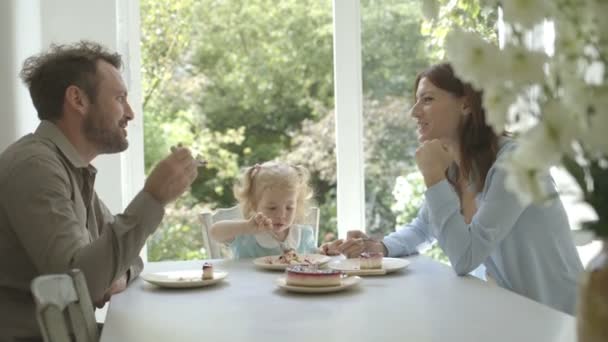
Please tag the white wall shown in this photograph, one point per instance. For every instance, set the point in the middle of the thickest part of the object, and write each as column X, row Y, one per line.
column 20, row 35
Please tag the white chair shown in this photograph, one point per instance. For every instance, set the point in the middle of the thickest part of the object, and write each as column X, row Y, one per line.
column 63, row 308
column 216, row 250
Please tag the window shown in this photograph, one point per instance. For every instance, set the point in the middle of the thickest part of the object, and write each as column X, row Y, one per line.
column 240, row 83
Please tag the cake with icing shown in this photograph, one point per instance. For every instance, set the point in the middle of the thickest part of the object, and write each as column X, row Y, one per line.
column 289, row 257
column 369, row 261
column 301, row 275
column 207, row 271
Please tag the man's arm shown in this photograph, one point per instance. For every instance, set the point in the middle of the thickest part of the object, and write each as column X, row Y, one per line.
column 41, row 205
column 46, row 220
column 104, row 219
column 135, row 270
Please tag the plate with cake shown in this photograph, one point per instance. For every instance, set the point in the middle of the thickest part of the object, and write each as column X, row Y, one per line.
column 290, row 257
column 369, row 264
column 311, row 279
column 186, row 278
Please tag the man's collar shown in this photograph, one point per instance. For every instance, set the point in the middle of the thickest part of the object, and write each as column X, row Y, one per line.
column 48, row 130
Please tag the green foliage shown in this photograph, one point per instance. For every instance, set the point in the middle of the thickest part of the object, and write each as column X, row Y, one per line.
column 466, row 14
column 390, row 144
column 593, row 180
column 242, row 82
column 393, row 50
column 179, row 236
column 268, row 65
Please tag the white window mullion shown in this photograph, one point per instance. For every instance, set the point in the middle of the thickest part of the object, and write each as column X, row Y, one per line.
column 132, row 160
column 349, row 116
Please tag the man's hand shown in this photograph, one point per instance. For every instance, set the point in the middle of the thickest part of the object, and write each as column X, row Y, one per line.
column 331, row 248
column 117, row 286
column 172, row 176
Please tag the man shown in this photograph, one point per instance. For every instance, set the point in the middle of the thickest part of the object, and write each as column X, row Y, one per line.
column 51, row 219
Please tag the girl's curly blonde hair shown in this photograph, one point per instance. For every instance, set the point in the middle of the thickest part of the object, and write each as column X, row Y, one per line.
column 255, row 179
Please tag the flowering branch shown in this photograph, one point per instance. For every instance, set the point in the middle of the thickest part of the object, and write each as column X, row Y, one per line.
column 548, row 84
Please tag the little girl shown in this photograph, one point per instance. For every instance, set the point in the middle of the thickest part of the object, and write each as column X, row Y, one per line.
column 272, row 196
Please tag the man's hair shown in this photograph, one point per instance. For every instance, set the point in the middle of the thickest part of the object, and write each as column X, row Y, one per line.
column 48, row 74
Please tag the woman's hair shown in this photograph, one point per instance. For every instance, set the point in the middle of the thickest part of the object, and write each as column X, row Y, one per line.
column 478, row 142
column 255, row 179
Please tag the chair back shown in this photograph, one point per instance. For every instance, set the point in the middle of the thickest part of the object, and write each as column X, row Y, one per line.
column 216, row 250
column 63, row 308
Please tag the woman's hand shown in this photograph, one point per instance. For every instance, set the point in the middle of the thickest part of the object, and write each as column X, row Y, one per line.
column 358, row 242
column 331, row 248
column 433, row 159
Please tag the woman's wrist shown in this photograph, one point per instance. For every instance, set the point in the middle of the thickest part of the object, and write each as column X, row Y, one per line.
column 384, row 249
column 431, row 179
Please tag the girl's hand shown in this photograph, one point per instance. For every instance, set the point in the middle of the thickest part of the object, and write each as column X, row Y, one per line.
column 331, row 248
column 260, row 223
column 433, row 159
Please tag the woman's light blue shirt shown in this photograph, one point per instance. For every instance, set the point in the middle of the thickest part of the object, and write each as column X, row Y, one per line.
column 246, row 246
column 526, row 248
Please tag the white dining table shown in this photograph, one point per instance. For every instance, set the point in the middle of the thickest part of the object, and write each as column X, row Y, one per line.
column 426, row 301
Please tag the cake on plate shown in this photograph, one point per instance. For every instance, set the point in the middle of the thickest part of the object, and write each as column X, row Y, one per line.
column 369, row 261
column 289, row 257
column 207, row 271
column 301, row 275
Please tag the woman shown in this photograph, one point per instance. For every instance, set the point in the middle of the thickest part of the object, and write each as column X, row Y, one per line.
column 467, row 210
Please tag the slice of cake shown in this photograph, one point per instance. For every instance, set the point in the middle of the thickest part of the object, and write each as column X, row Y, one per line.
column 301, row 275
column 370, row 260
column 207, row 271
column 289, row 257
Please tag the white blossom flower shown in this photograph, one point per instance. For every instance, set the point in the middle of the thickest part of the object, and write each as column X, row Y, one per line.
column 497, row 101
column 407, row 190
column 525, row 67
column 536, row 149
column 567, row 39
column 526, row 12
column 523, row 180
column 480, row 63
column 556, row 98
column 560, row 126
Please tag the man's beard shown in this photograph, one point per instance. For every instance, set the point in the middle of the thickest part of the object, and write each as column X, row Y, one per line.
column 106, row 139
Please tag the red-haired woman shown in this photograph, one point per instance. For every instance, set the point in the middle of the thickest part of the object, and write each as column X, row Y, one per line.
column 526, row 248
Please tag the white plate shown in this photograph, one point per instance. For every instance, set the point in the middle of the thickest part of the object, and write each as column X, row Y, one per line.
column 183, row 279
column 346, row 283
column 272, row 263
column 352, row 265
